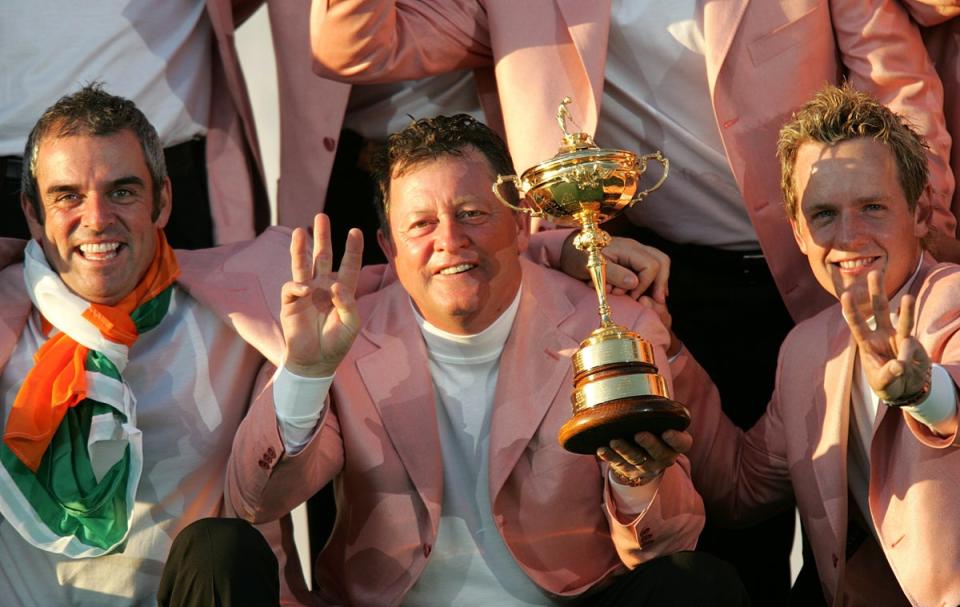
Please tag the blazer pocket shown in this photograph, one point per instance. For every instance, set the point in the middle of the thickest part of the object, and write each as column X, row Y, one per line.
column 788, row 35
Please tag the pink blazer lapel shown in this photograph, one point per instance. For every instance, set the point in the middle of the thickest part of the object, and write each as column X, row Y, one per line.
column 398, row 380
column 721, row 19
column 534, row 368
column 833, row 400
column 241, row 283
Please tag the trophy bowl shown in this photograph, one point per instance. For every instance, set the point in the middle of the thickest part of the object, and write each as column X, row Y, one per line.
column 618, row 390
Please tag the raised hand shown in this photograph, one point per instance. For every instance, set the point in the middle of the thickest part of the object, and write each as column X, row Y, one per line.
column 318, row 306
column 895, row 363
column 639, row 461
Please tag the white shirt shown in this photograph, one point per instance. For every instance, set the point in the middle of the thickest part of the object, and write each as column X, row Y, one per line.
column 188, row 417
column 377, row 110
column 155, row 53
column 656, row 97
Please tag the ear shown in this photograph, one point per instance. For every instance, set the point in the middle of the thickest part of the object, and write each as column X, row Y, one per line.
column 33, row 222
column 523, row 231
column 922, row 215
column 386, row 245
column 796, row 228
column 164, row 203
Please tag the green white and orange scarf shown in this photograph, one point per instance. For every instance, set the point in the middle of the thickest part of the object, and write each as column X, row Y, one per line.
column 72, row 455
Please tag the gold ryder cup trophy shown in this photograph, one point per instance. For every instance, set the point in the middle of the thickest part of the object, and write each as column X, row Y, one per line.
column 617, row 390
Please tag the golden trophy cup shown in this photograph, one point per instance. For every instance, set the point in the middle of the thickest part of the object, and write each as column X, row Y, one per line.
column 617, row 390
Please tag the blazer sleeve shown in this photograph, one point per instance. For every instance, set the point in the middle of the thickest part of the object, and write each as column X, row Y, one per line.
column 671, row 523
column 366, row 41
column 938, row 329
column 262, row 482
column 884, row 55
column 743, row 477
column 673, row 520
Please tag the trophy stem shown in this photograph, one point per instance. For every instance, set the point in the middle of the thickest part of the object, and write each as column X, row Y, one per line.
column 592, row 239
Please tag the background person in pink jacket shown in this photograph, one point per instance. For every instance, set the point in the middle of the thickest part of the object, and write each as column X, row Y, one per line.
column 440, row 431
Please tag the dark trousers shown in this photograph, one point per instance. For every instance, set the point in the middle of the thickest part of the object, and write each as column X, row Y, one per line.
column 728, row 312
column 190, row 225
column 351, row 196
column 220, row 562
column 683, row 579
column 227, row 562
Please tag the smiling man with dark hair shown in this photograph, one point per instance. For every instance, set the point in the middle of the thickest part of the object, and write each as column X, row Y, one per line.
column 125, row 369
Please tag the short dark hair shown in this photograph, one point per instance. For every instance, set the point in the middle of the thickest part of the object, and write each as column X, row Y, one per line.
column 840, row 113
column 92, row 111
column 428, row 139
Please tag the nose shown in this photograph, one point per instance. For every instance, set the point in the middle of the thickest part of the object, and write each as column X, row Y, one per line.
column 851, row 229
column 450, row 235
column 97, row 212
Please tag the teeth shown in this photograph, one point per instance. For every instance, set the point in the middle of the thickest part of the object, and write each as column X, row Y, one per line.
column 850, row 264
column 99, row 247
column 463, row 267
column 100, row 250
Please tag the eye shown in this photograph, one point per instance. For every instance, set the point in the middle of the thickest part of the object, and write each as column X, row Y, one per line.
column 873, row 207
column 67, row 198
column 122, row 194
column 472, row 215
column 419, row 226
column 822, row 215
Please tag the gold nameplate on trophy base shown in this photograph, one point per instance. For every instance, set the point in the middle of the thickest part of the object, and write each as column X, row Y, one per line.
column 617, row 388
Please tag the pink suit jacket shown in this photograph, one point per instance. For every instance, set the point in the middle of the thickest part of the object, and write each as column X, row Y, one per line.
column 942, row 37
column 379, row 441
column 311, row 112
column 764, row 59
column 241, row 284
column 798, row 451
column 238, row 197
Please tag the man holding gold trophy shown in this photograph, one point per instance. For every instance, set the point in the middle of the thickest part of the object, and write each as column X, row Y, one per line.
column 440, row 427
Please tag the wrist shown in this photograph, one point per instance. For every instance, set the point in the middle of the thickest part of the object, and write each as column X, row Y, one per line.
column 913, row 399
column 638, row 481
column 309, row 371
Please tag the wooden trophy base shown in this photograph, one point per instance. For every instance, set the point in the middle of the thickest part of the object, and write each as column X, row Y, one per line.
column 621, row 418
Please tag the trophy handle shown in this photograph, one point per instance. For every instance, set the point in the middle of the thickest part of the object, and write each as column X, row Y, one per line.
column 502, row 179
column 642, row 161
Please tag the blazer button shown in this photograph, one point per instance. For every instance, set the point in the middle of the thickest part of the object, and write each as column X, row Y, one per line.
column 329, row 143
column 271, row 453
column 427, row 548
column 264, row 464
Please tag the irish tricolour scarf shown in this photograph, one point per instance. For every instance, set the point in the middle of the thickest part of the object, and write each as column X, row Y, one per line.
column 72, row 454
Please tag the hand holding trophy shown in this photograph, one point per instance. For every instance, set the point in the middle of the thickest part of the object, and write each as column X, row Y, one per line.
column 617, row 389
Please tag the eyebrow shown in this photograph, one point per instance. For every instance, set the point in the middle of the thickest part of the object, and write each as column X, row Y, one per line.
column 121, row 181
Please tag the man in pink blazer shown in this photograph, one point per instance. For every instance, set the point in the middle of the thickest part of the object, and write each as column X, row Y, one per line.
column 98, row 198
column 861, row 430
column 440, row 430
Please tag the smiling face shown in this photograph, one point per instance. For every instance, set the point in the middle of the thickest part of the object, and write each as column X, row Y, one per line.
column 853, row 216
column 455, row 247
column 100, row 216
